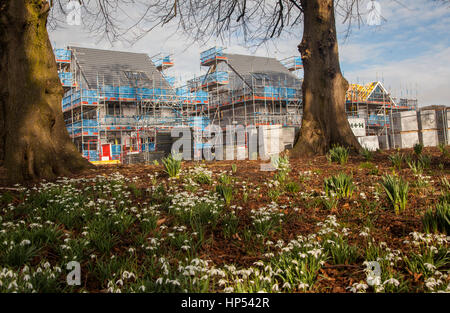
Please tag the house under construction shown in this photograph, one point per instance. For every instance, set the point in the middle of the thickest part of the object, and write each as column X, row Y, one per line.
column 118, row 104
column 247, row 89
column 375, row 105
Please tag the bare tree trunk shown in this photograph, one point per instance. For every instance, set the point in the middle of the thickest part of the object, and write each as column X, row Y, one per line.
column 324, row 120
column 34, row 142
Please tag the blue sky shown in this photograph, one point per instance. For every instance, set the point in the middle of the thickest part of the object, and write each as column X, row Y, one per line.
column 409, row 52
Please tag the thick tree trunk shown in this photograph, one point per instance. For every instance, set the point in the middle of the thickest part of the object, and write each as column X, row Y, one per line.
column 34, row 142
column 324, row 120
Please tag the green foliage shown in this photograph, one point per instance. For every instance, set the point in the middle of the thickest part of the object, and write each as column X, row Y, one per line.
column 438, row 220
column 444, row 152
column 283, row 168
column 366, row 154
column 234, row 168
column 445, row 184
column 397, row 191
column 172, row 165
column 340, row 186
column 330, row 202
column 418, row 148
column 397, row 160
column 230, row 224
column 425, row 160
column 292, row 187
column 340, row 251
column 225, row 179
column 416, row 167
column 338, row 154
column 226, row 192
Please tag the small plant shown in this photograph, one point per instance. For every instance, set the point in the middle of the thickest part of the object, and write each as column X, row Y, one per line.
column 340, row 186
column 366, row 154
column 172, row 165
column 438, row 220
column 425, row 160
column 225, row 179
column 226, row 192
column 341, row 252
column 230, row 224
column 416, row 167
column 397, row 160
column 397, row 191
column 445, row 184
column 338, row 154
column 330, row 203
column 234, row 168
column 443, row 148
column 283, row 168
column 292, row 187
column 418, row 148
column 155, row 162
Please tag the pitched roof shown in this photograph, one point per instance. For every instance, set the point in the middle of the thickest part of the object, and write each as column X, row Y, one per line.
column 118, row 68
column 358, row 92
column 255, row 68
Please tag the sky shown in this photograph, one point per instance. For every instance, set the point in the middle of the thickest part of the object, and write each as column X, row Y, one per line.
column 409, row 52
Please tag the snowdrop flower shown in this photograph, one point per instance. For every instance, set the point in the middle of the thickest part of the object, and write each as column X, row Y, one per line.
column 25, row 242
column 392, row 281
column 303, row 286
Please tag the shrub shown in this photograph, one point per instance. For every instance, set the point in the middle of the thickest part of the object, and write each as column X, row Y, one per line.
column 397, row 191
column 366, row 154
column 340, row 185
column 338, row 154
column 172, row 165
column 438, row 220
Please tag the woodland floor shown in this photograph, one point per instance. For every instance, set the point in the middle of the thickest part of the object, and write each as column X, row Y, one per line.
column 134, row 229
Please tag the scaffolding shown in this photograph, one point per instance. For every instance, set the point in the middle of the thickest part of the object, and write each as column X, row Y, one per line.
column 115, row 118
column 373, row 103
column 116, row 121
column 256, row 97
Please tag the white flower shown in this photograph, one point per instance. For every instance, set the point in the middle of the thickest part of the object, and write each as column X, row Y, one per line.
column 392, row 281
column 429, row 266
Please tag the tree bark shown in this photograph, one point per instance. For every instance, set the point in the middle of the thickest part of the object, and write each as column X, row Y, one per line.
column 34, row 142
column 324, row 120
